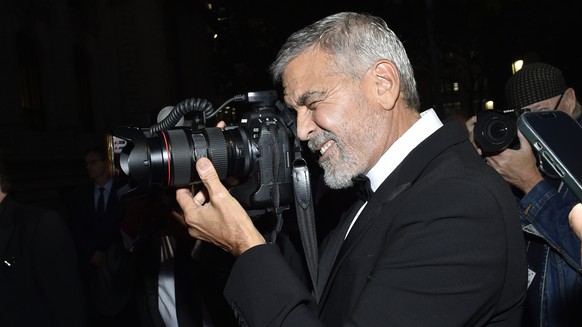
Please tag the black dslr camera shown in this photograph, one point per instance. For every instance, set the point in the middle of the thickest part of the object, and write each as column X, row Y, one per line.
column 496, row 130
column 257, row 153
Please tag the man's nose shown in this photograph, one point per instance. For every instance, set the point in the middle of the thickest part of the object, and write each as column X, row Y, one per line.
column 305, row 124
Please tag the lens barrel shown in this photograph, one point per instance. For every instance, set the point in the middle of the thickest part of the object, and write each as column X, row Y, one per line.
column 168, row 157
column 494, row 131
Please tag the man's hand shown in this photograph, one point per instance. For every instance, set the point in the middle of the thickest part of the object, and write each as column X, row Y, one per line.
column 214, row 215
column 470, row 125
column 517, row 167
column 575, row 218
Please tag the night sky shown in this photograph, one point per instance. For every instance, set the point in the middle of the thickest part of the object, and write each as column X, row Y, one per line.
column 489, row 33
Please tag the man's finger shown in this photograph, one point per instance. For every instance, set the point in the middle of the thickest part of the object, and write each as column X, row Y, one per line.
column 184, row 197
column 209, row 176
column 523, row 142
column 200, row 198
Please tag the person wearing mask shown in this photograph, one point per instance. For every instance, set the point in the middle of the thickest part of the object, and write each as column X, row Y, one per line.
column 554, row 295
column 433, row 239
column 40, row 284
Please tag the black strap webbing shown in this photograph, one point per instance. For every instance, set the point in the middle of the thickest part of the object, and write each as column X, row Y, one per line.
column 303, row 200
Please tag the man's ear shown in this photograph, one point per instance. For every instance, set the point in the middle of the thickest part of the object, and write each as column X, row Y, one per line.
column 386, row 83
column 569, row 100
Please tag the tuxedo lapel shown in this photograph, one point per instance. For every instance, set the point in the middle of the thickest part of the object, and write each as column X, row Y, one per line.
column 365, row 220
column 402, row 178
column 399, row 181
column 332, row 245
column 363, row 223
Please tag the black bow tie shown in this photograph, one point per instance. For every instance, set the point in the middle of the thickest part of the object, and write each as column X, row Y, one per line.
column 362, row 187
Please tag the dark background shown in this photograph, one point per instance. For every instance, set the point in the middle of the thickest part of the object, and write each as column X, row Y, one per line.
column 71, row 69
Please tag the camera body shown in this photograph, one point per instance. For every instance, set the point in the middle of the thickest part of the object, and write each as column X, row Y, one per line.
column 496, row 131
column 256, row 154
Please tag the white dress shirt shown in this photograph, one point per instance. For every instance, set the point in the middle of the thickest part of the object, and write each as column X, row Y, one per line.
column 428, row 123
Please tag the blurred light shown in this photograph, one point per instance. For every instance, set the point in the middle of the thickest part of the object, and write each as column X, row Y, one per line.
column 456, row 86
column 489, row 105
column 209, row 6
column 215, row 35
column 516, row 66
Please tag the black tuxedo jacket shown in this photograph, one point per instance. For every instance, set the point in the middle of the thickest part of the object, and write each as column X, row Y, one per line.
column 438, row 244
column 39, row 279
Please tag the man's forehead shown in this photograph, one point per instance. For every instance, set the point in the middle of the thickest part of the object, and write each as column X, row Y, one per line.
column 297, row 86
column 301, row 98
column 544, row 104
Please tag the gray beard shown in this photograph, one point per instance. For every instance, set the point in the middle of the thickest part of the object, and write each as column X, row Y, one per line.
column 338, row 172
column 333, row 176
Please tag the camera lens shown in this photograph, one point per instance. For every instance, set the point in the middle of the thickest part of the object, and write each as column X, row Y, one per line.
column 494, row 131
column 253, row 158
column 173, row 154
column 498, row 131
column 168, row 158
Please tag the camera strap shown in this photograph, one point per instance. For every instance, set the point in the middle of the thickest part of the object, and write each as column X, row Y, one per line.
column 305, row 217
column 275, row 191
column 303, row 200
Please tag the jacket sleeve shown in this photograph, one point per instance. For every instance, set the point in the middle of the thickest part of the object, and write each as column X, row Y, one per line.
column 263, row 290
column 544, row 212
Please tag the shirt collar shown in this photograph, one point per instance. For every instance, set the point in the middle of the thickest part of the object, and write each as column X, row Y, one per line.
column 428, row 123
column 107, row 186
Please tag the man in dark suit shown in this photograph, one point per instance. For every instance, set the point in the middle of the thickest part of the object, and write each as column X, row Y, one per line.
column 96, row 211
column 435, row 238
column 39, row 278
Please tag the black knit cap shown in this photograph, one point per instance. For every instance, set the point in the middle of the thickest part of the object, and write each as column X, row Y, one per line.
column 533, row 83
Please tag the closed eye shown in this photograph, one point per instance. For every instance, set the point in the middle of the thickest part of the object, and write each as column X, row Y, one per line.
column 311, row 99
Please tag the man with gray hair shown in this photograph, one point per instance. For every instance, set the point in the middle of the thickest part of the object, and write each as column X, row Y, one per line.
column 434, row 238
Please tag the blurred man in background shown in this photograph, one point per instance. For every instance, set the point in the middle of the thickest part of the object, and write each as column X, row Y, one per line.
column 95, row 213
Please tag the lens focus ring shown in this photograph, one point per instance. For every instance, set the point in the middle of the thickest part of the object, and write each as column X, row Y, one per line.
column 180, row 158
column 217, row 152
